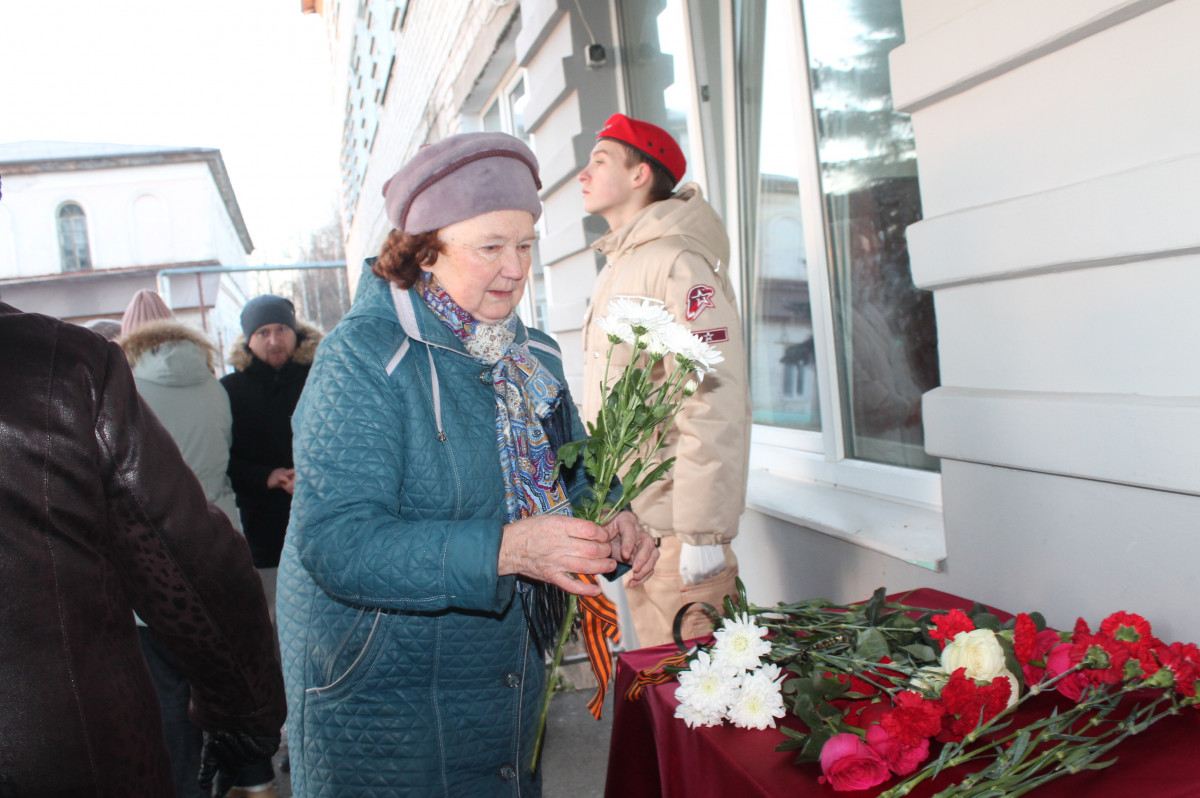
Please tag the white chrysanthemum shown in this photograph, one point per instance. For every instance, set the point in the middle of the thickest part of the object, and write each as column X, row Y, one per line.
column 640, row 312
column 693, row 717
column 740, row 644
column 697, row 354
column 759, row 700
column 705, row 689
column 616, row 328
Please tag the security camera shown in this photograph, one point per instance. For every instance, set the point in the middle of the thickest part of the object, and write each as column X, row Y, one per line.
column 596, row 55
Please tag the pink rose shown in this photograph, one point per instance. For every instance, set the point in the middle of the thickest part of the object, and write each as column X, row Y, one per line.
column 850, row 764
column 900, row 757
column 1062, row 658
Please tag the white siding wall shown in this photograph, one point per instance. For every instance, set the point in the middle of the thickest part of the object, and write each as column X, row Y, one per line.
column 1059, row 150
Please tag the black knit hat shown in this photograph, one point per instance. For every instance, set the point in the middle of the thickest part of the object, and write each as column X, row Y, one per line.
column 267, row 309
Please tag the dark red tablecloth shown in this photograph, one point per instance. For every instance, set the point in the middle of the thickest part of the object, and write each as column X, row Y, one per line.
column 655, row 754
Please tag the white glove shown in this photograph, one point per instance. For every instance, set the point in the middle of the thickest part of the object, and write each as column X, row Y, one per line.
column 697, row 563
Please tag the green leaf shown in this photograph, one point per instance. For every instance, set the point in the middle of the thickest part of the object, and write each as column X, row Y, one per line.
column 812, row 749
column 568, row 453
column 871, row 645
column 921, row 652
column 876, row 606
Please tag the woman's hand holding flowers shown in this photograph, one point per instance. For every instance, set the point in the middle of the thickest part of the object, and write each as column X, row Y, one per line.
column 631, row 544
column 550, row 548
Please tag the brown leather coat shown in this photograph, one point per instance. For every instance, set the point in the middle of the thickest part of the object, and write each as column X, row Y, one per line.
column 100, row 517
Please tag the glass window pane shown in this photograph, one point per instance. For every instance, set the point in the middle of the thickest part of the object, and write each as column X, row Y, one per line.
column 658, row 80
column 517, row 100
column 884, row 327
column 783, row 376
column 72, row 238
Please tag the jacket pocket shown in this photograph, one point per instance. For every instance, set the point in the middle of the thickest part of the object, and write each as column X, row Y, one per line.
column 354, row 658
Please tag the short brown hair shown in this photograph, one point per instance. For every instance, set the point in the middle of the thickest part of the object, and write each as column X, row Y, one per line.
column 403, row 255
column 662, row 182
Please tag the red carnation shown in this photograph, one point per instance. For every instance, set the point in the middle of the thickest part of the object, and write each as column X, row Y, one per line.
column 1103, row 658
column 1024, row 638
column 1183, row 660
column 1043, row 644
column 913, row 718
column 1126, row 627
column 964, row 700
column 946, row 626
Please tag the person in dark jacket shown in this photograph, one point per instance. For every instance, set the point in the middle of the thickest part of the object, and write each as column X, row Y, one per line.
column 272, row 360
column 103, row 518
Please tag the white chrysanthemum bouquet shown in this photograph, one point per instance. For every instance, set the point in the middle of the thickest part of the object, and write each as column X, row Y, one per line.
column 636, row 412
column 731, row 682
column 628, row 431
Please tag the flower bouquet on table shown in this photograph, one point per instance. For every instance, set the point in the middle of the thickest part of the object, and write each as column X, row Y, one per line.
column 666, row 365
column 893, row 695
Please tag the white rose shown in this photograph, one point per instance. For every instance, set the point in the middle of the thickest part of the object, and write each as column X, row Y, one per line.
column 979, row 652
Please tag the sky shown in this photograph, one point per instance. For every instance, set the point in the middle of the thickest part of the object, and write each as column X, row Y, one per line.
column 249, row 77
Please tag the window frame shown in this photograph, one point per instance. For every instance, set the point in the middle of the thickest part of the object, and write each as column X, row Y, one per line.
column 87, row 239
column 814, row 458
column 533, row 307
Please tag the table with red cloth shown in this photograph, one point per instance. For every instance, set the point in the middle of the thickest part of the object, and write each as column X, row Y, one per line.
column 654, row 754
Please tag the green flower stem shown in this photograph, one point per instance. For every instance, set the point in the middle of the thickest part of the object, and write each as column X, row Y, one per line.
column 563, row 631
column 620, row 438
column 1027, row 771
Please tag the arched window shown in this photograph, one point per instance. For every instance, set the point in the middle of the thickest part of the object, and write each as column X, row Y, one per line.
column 73, row 238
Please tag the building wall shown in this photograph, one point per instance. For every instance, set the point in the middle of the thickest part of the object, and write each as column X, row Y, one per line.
column 138, row 216
column 1058, row 149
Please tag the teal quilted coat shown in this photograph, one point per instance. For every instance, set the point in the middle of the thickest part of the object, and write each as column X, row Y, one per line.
column 409, row 665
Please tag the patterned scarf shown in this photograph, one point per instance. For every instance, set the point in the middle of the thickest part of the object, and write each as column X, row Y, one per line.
column 528, row 399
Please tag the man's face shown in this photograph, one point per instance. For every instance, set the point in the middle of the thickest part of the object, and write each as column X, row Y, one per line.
column 608, row 182
column 273, row 344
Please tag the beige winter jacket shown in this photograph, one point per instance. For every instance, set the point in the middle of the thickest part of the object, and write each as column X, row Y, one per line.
column 677, row 251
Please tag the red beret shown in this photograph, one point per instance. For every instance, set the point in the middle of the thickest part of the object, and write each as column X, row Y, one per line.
column 650, row 140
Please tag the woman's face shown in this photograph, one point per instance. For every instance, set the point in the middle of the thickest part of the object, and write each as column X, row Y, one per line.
column 485, row 261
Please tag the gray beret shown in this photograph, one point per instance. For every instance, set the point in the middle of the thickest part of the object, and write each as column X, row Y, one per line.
column 461, row 177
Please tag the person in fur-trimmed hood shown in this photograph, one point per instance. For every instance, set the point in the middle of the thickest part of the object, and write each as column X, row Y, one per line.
column 174, row 367
column 272, row 358
column 271, row 361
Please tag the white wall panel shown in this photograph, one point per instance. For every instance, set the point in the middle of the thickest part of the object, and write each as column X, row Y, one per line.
column 1142, row 441
column 1130, row 328
column 1117, row 100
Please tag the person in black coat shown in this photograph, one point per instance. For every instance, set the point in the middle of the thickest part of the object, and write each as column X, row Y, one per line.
column 272, row 362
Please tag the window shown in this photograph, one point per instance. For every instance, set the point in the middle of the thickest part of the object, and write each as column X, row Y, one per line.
column 658, row 81
column 822, row 182
column 73, row 238
column 505, row 112
column 829, row 178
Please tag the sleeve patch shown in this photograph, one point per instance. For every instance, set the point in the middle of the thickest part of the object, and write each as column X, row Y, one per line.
column 717, row 335
column 699, row 299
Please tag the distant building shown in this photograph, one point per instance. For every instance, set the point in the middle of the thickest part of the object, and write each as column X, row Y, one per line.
column 84, row 226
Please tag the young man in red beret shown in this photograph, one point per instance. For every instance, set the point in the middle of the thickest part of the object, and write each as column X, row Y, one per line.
column 670, row 245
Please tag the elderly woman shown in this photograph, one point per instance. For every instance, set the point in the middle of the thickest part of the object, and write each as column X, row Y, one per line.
column 430, row 536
